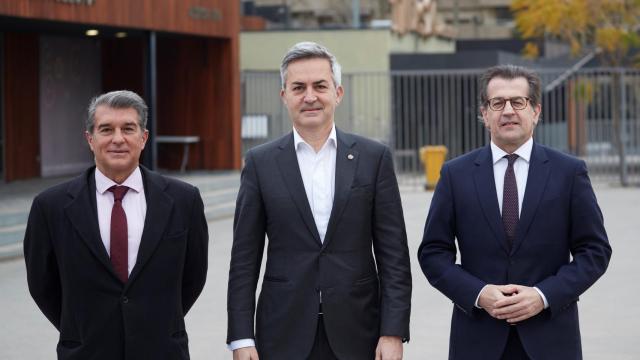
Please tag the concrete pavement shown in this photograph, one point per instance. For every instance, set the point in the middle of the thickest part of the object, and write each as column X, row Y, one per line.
column 610, row 310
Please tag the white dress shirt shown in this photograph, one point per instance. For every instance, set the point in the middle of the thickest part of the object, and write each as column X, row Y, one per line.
column 318, row 170
column 521, row 171
column 135, row 208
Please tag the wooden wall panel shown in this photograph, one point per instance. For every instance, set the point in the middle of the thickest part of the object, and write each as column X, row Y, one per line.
column 198, row 94
column 204, row 17
column 225, row 130
column 21, row 113
column 183, row 100
column 123, row 64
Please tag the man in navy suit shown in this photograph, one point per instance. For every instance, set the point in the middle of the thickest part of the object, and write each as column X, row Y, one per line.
column 529, row 230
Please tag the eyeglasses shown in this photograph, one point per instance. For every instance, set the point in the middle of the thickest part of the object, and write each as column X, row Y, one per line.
column 517, row 103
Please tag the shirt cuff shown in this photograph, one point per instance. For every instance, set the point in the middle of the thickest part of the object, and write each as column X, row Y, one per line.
column 478, row 297
column 544, row 299
column 242, row 343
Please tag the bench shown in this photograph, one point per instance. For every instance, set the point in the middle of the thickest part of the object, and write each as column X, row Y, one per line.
column 174, row 139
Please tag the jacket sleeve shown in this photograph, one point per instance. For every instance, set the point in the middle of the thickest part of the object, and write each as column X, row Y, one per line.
column 391, row 252
column 437, row 252
column 249, row 226
column 589, row 245
column 42, row 267
column 197, row 254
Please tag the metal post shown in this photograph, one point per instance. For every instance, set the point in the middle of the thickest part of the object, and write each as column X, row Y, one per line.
column 355, row 4
column 3, row 157
column 151, row 155
column 623, row 127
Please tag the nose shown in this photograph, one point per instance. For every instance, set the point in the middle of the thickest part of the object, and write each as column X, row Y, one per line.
column 508, row 109
column 309, row 96
column 117, row 136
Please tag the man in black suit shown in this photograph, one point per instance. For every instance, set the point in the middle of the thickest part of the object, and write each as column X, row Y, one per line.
column 528, row 228
column 337, row 283
column 117, row 256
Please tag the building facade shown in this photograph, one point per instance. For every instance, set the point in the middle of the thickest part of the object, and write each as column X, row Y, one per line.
column 181, row 56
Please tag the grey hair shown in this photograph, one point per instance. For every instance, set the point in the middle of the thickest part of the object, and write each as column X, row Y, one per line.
column 511, row 72
column 310, row 50
column 120, row 99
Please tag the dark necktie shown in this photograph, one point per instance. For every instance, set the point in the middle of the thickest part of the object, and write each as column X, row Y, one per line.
column 119, row 248
column 510, row 201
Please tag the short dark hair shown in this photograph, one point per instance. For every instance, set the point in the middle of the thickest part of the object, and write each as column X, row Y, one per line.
column 120, row 99
column 510, row 72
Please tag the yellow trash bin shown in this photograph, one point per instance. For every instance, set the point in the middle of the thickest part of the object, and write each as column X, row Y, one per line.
column 432, row 158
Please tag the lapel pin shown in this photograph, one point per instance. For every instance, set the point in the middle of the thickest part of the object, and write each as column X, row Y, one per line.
column 350, row 156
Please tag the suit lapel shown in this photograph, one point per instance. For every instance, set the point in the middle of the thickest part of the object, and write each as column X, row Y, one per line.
column 290, row 172
column 536, row 183
column 83, row 215
column 346, row 164
column 486, row 190
column 159, row 207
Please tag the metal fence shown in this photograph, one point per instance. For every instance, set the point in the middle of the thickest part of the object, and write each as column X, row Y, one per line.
column 593, row 114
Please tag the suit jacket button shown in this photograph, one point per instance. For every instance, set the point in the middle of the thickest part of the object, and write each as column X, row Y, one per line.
column 125, row 300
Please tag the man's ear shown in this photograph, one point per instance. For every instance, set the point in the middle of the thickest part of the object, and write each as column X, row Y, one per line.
column 339, row 94
column 485, row 121
column 89, row 137
column 282, row 92
column 145, row 137
column 537, row 110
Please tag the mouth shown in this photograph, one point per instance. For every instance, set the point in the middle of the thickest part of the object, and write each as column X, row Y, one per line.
column 118, row 152
column 509, row 123
column 310, row 110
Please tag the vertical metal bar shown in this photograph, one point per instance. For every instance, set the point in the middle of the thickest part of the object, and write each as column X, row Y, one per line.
column 355, row 5
column 433, row 118
column 150, row 158
column 623, row 129
column 351, row 102
column 444, row 128
column 3, row 157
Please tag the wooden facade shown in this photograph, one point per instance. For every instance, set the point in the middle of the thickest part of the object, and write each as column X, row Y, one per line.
column 211, row 18
column 21, row 113
column 198, row 76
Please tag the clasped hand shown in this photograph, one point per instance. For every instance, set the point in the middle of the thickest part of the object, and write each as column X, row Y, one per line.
column 513, row 303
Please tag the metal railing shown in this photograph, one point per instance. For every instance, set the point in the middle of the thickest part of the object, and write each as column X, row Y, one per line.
column 593, row 114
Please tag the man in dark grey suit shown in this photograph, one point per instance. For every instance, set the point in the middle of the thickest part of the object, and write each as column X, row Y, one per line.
column 337, row 283
column 117, row 256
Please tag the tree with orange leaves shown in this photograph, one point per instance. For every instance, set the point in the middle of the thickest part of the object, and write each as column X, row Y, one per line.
column 608, row 27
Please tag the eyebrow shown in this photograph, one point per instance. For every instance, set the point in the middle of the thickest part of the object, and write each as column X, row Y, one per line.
column 128, row 123
column 314, row 83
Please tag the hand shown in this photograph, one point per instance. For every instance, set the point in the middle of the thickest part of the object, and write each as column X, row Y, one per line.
column 523, row 304
column 389, row 348
column 491, row 294
column 246, row 353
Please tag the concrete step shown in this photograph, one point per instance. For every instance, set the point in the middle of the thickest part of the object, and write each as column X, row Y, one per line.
column 12, row 234
column 8, row 219
column 10, row 251
column 220, row 211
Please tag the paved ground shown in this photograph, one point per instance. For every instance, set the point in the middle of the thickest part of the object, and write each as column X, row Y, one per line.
column 610, row 311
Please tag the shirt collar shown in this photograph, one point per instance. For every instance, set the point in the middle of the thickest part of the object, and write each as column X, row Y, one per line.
column 332, row 139
column 134, row 181
column 524, row 151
